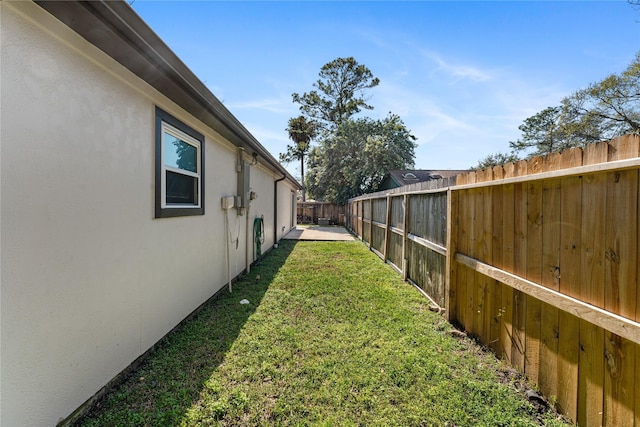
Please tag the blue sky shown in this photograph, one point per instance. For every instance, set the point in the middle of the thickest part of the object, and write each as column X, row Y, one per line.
column 461, row 75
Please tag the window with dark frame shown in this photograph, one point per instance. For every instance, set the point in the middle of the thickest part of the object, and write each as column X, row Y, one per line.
column 179, row 181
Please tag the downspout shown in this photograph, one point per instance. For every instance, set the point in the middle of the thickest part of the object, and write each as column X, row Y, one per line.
column 275, row 210
column 247, row 263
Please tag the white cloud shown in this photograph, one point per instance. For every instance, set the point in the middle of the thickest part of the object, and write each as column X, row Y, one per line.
column 266, row 134
column 425, row 116
column 460, row 72
column 273, row 105
column 457, row 127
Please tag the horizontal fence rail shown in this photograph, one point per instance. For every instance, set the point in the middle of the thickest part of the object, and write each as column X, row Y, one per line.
column 539, row 260
column 408, row 230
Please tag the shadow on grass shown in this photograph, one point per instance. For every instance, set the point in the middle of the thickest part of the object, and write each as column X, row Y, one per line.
column 170, row 379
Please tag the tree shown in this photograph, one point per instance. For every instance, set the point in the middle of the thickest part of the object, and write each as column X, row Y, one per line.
column 301, row 132
column 340, row 93
column 541, row 132
column 613, row 104
column 354, row 159
column 497, row 159
column 601, row 111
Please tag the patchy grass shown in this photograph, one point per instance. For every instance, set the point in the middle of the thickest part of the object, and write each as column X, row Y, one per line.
column 332, row 337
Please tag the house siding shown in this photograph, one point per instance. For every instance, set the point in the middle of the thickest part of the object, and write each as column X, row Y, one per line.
column 89, row 279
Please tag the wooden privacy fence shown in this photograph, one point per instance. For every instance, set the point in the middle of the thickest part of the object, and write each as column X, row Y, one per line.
column 541, row 263
column 312, row 212
column 408, row 230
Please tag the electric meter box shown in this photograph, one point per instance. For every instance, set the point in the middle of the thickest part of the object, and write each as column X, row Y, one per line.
column 227, row 202
column 243, row 185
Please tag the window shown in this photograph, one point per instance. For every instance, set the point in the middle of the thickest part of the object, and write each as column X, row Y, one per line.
column 179, row 168
column 409, row 176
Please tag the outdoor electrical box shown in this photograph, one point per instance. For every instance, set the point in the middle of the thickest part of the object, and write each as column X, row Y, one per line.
column 244, row 175
column 228, row 202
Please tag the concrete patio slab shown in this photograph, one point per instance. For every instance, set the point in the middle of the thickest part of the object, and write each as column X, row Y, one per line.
column 319, row 233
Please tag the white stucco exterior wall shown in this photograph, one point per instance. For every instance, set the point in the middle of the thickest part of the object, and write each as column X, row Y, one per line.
column 286, row 214
column 89, row 279
column 263, row 205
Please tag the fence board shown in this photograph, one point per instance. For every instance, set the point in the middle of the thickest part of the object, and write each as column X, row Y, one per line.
column 519, row 267
column 366, row 221
column 479, row 253
column 591, row 359
column 495, row 295
column 621, row 252
column 427, row 271
column 550, row 277
column 472, row 276
column 620, row 295
column 387, row 231
column 473, row 237
column 568, row 325
column 417, row 215
column 534, row 273
column 487, row 247
column 508, row 259
column 440, row 215
column 380, row 210
column 619, row 387
column 377, row 239
column 464, row 238
column 395, row 250
column 397, row 211
column 451, row 273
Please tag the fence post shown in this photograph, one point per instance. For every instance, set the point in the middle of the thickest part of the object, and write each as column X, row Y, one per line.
column 386, row 229
column 450, row 275
column 405, row 239
column 370, row 221
column 360, row 218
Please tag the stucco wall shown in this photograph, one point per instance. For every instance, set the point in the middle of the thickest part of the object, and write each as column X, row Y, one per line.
column 285, row 223
column 89, row 279
column 263, row 205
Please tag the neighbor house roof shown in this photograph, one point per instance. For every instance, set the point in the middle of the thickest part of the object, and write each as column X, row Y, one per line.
column 401, row 177
column 116, row 29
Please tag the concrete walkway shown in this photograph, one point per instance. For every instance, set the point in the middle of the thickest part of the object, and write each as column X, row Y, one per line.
column 315, row 232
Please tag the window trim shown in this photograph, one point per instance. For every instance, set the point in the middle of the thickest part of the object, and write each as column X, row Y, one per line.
column 165, row 121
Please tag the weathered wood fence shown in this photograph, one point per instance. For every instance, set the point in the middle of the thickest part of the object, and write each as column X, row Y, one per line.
column 407, row 227
column 311, row 212
column 538, row 260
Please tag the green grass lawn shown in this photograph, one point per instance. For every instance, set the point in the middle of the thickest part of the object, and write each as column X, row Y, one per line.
column 332, row 336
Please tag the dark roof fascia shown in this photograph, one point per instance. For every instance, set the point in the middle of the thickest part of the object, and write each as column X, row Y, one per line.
column 116, row 29
column 422, row 174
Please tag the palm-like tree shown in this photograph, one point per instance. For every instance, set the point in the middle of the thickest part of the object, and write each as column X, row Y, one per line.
column 301, row 132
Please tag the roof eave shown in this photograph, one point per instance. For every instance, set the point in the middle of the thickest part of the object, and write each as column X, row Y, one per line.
column 117, row 30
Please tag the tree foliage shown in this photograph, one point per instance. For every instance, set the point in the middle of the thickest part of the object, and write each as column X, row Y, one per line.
column 301, row 131
column 354, row 159
column 602, row 111
column 497, row 159
column 340, row 92
column 611, row 106
column 353, row 155
column 542, row 132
